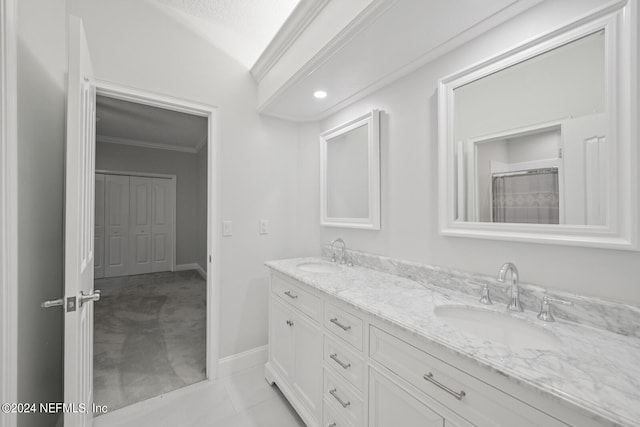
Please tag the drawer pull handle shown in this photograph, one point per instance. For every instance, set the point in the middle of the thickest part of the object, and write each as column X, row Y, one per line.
column 332, row 425
column 291, row 295
column 334, row 356
column 290, row 322
column 334, row 393
column 459, row 396
column 340, row 325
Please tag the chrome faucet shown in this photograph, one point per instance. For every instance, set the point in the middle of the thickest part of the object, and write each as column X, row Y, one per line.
column 343, row 258
column 514, row 302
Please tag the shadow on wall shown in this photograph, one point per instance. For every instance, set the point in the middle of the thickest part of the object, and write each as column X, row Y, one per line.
column 41, row 130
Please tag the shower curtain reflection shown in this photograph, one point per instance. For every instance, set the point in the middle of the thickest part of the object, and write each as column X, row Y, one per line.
column 530, row 196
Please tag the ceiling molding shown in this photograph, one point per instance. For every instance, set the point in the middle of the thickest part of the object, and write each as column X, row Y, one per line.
column 201, row 144
column 481, row 27
column 303, row 14
column 365, row 18
column 145, row 144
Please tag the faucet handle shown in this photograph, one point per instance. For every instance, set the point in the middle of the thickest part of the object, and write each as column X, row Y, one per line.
column 485, row 298
column 545, row 308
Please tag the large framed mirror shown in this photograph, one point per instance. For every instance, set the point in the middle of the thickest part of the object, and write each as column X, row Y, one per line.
column 539, row 143
column 350, row 174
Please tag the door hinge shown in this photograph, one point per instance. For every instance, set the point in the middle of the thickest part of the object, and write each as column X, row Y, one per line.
column 71, row 304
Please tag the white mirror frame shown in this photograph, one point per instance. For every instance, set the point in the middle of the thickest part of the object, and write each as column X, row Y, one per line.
column 618, row 19
column 372, row 222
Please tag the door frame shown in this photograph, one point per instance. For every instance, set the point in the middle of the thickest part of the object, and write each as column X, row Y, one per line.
column 125, row 93
column 174, row 184
column 8, row 209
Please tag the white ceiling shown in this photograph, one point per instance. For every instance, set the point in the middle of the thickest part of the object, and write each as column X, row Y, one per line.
column 125, row 122
column 241, row 28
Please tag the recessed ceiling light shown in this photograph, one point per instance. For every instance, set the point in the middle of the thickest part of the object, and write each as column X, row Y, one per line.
column 320, row 94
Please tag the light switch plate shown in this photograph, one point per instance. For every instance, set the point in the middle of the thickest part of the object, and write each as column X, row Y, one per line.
column 227, row 228
column 263, row 226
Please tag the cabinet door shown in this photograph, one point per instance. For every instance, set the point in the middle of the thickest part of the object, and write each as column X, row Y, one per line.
column 98, row 259
column 116, row 226
column 307, row 375
column 391, row 406
column 140, row 235
column 162, row 230
column 281, row 339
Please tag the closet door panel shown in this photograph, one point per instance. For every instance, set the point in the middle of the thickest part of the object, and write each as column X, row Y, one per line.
column 141, row 225
column 116, row 225
column 99, row 240
column 162, row 224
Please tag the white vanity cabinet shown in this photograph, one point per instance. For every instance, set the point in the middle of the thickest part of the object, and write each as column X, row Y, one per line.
column 295, row 347
column 340, row 366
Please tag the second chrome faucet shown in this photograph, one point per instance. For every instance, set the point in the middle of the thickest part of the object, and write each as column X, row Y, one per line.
column 514, row 302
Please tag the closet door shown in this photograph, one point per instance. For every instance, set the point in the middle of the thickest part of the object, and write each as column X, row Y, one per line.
column 163, row 224
column 141, row 197
column 116, row 225
column 98, row 259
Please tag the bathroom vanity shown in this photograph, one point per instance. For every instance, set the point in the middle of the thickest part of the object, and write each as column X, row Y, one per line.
column 352, row 346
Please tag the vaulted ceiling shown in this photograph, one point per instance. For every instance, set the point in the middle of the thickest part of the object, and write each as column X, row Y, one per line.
column 241, row 28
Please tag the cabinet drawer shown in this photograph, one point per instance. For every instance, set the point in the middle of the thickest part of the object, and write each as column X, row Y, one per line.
column 343, row 400
column 295, row 295
column 344, row 325
column 331, row 419
column 339, row 359
column 469, row 397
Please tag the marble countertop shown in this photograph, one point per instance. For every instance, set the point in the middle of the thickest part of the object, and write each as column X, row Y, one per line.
column 594, row 369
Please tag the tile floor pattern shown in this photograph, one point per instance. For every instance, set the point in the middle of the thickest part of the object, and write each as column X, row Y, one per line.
column 242, row 400
column 149, row 336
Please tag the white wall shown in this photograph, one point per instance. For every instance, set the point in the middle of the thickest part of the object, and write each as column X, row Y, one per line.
column 118, row 157
column 134, row 44
column 41, row 120
column 409, row 180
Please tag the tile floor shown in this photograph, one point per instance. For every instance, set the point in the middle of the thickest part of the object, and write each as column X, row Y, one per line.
column 242, row 400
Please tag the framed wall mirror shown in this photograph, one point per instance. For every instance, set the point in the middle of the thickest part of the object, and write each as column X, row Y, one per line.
column 539, row 143
column 350, row 174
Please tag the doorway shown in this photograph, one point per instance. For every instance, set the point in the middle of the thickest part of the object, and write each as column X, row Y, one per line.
column 155, row 328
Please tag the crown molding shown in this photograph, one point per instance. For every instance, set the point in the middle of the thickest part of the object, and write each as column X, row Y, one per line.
column 303, row 14
column 201, row 143
column 365, row 18
column 476, row 30
column 146, row 144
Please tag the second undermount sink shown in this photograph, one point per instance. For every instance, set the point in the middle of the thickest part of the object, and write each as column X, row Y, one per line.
column 497, row 327
column 318, row 267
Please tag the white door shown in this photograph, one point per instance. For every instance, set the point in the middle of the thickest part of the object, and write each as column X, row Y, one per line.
column 116, row 225
column 99, row 243
column 79, row 232
column 141, row 189
column 163, row 221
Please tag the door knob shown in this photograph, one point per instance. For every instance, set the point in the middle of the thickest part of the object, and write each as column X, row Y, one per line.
column 84, row 298
column 52, row 303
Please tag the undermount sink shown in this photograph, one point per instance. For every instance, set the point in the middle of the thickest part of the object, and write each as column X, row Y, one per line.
column 318, row 267
column 497, row 327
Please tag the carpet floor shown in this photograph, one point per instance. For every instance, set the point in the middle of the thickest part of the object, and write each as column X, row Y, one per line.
column 149, row 336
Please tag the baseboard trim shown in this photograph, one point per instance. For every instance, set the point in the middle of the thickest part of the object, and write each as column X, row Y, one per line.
column 238, row 362
column 192, row 266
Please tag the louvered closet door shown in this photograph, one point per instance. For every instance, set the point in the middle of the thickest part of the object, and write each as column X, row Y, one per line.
column 141, row 198
column 162, row 225
column 116, row 226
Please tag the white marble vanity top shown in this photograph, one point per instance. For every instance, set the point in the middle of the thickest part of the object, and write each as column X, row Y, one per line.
column 594, row 369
